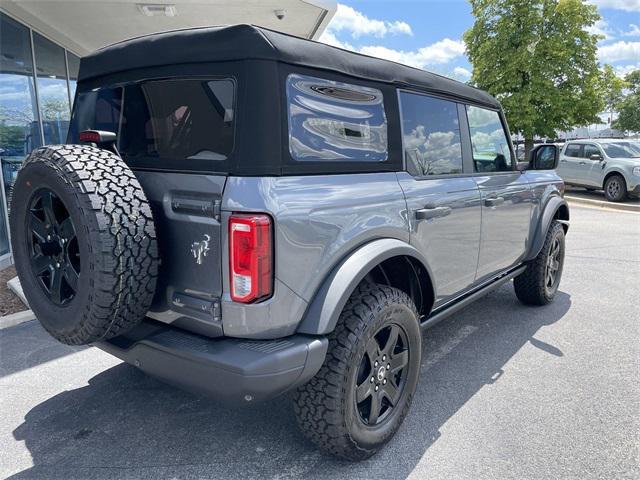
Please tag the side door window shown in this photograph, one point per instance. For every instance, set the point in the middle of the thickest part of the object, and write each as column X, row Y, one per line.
column 573, row 150
column 430, row 135
column 489, row 142
column 505, row 193
column 439, row 196
column 590, row 150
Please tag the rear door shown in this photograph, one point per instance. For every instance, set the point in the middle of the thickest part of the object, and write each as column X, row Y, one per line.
column 569, row 162
column 505, row 193
column 443, row 203
column 171, row 132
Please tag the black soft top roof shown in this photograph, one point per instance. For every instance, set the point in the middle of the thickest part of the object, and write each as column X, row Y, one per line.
column 241, row 42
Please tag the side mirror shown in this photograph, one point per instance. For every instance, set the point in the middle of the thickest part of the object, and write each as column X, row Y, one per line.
column 596, row 157
column 545, row 157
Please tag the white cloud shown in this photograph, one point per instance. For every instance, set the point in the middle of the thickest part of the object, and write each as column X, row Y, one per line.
column 619, row 51
column 601, row 27
column 623, row 70
column 633, row 32
column 626, row 5
column 330, row 39
column 358, row 24
column 462, row 73
column 437, row 53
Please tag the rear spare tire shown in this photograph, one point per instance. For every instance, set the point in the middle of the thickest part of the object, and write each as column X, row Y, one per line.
column 84, row 243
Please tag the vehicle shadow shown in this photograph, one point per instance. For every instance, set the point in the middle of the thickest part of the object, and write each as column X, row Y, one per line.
column 127, row 425
column 14, row 357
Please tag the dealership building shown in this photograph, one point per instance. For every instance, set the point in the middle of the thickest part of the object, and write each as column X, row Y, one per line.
column 41, row 42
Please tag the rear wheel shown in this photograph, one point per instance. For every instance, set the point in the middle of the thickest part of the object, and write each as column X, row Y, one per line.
column 615, row 188
column 362, row 393
column 84, row 243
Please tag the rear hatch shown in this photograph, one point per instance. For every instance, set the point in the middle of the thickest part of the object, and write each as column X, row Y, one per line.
column 177, row 136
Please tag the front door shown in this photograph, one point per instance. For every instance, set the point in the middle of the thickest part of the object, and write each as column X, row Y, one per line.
column 591, row 172
column 443, row 204
column 505, row 194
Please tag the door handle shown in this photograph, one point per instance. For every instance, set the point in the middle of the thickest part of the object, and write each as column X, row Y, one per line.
column 493, row 201
column 563, row 161
column 583, row 163
column 434, row 212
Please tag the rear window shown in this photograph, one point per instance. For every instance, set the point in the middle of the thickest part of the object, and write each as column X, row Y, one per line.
column 335, row 122
column 163, row 123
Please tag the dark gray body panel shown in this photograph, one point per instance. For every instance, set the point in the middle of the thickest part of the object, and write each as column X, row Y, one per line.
column 184, row 209
column 450, row 244
column 318, row 221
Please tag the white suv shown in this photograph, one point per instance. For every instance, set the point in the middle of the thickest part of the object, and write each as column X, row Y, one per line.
column 611, row 164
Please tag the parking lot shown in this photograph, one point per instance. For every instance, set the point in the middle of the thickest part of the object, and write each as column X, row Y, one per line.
column 506, row 391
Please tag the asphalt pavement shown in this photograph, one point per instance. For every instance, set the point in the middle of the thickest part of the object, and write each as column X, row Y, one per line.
column 506, row 392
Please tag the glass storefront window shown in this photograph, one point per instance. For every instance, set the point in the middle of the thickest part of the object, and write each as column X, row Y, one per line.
column 19, row 127
column 53, row 94
column 73, row 62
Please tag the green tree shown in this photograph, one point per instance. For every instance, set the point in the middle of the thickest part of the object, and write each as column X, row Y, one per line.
column 539, row 59
column 629, row 108
column 612, row 88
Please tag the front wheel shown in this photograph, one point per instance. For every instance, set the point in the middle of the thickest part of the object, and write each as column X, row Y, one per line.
column 538, row 284
column 362, row 393
column 615, row 189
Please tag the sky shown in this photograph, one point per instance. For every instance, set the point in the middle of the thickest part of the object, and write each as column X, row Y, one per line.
column 428, row 33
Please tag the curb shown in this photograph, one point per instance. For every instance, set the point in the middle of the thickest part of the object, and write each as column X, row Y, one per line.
column 603, row 204
column 15, row 287
column 16, row 319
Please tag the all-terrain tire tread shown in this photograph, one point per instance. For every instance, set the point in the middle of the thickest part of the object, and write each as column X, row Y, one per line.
column 319, row 404
column 124, row 253
column 529, row 285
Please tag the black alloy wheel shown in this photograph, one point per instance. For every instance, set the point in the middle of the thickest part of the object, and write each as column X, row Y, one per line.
column 382, row 374
column 554, row 262
column 362, row 393
column 53, row 247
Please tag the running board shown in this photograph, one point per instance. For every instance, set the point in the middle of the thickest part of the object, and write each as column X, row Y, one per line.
column 459, row 303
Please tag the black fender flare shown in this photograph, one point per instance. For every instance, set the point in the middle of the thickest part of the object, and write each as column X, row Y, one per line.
column 549, row 211
column 328, row 302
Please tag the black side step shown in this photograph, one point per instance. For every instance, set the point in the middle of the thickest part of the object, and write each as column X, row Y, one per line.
column 459, row 303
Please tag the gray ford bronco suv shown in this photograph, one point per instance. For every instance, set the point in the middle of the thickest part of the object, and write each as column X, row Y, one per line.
column 242, row 213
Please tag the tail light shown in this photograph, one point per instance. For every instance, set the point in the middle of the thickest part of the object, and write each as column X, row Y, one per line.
column 250, row 257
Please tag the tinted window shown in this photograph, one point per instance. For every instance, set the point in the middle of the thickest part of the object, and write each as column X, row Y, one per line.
column 573, row 150
column 333, row 121
column 97, row 110
column 590, row 150
column 430, row 135
column 491, row 152
column 163, row 122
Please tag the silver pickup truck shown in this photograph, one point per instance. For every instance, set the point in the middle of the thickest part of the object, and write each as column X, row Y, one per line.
column 243, row 213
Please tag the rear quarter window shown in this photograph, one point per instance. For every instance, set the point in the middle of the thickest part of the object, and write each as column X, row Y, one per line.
column 331, row 121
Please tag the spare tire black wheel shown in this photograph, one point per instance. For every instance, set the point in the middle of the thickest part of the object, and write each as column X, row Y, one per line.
column 84, row 243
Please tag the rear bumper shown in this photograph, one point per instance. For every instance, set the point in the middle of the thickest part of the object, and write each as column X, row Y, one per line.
column 231, row 370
